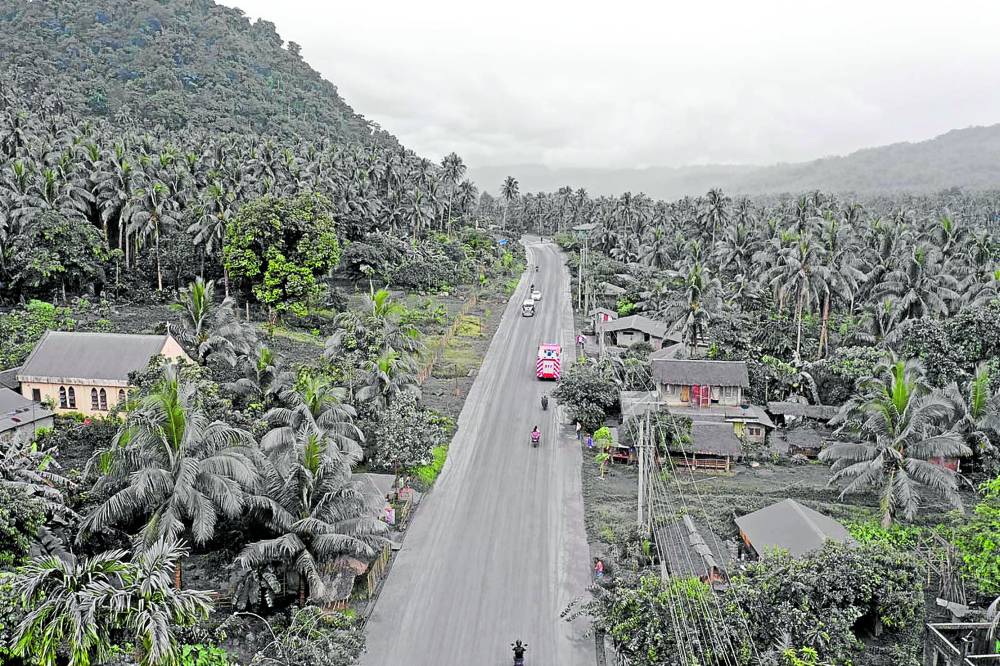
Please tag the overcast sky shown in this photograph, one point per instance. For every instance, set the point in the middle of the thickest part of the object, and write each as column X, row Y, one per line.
column 655, row 83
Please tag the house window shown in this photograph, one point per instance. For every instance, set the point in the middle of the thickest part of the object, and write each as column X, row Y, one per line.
column 62, row 398
column 72, row 397
column 729, row 391
column 755, row 431
column 36, row 395
column 121, row 396
column 93, row 400
column 104, row 399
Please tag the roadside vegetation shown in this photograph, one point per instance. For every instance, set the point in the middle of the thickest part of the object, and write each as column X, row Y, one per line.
column 884, row 308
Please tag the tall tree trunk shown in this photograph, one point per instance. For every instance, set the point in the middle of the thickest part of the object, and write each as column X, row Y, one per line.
column 824, row 330
column 798, row 317
column 159, row 272
column 177, row 575
column 302, row 590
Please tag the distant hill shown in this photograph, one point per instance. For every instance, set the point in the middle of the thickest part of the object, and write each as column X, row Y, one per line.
column 175, row 63
column 967, row 158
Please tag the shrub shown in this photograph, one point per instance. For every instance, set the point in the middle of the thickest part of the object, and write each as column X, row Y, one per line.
column 404, row 436
column 21, row 329
column 428, row 474
column 588, row 392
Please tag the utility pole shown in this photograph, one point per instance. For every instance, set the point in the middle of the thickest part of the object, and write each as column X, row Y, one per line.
column 642, row 470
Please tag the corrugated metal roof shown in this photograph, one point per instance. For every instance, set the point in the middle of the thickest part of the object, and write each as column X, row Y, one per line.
column 711, row 373
column 637, row 322
column 17, row 411
column 821, row 412
column 686, row 549
column 714, row 439
column 790, row 526
column 62, row 356
column 8, row 379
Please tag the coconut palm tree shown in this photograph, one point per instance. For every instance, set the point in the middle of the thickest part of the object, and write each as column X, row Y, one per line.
column 976, row 417
column 898, row 425
column 210, row 329
column 509, row 194
column 32, row 472
column 389, row 375
column 373, row 328
column 452, row 168
column 79, row 606
column 171, row 467
column 263, row 377
column 315, row 515
column 316, row 407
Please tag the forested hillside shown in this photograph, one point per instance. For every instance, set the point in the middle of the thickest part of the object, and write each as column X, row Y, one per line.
column 968, row 158
column 183, row 64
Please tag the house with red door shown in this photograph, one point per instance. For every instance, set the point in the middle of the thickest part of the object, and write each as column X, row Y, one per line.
column 698, row 383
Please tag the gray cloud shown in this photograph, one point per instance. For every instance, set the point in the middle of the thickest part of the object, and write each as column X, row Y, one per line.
column 634, row 83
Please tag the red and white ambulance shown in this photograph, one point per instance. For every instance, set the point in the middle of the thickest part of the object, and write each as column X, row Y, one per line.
column 548, row 363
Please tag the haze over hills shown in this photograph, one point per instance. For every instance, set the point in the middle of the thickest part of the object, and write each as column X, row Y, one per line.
column 967, row 158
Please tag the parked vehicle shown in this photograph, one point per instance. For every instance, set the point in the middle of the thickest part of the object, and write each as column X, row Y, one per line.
column 528, row 308
column 548, row 363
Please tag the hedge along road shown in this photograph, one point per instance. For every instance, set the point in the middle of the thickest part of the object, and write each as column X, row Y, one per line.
column 498, row 550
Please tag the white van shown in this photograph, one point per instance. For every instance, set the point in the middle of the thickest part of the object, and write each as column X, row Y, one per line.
column 528, row 308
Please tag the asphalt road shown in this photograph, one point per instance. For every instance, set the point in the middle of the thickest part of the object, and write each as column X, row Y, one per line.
column 498, row 548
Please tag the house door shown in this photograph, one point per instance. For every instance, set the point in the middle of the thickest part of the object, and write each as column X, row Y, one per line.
column 706, row 396
column 685, row 393
column 696, row 394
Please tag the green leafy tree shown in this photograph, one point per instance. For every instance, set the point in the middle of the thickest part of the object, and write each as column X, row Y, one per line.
column 588, row 392
column 278, row 247
column 978, row 540
column 57, row 252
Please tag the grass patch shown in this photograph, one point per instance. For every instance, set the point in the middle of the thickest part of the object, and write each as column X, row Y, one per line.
column 428, row 474
column 469, row 326
column 298, row 336
column 459, row 358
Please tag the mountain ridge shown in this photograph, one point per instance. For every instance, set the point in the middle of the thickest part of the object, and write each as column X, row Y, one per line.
column 967, row 157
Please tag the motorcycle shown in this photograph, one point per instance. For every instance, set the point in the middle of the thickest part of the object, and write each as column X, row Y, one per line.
column 536, row 436
column 519, row 650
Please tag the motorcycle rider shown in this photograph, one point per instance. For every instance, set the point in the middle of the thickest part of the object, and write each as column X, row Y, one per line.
column 545, row 402
column 536, row 435
column 519, row 650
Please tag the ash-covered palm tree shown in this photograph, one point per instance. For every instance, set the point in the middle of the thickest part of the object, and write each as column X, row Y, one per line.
column 976, row 417
column 78, row 607
column 32, row 472
column 208, row 328
column 509, row 193
column 923, row 286
column 386, row 377
column 314, row 407
column 897, row 425
column 315, row 515
column 173, row 468
column 452, row 168
column 373, row 328
column 263, row 377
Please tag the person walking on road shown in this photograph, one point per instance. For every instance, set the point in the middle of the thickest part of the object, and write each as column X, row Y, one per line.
column 578, row 429
column 545, row 402
column 590, row 441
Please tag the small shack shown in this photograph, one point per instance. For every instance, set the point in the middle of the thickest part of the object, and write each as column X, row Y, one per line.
column 788, row 526
column 714, row 446
column 689, row 550
column 787, row 413
column 631, row 330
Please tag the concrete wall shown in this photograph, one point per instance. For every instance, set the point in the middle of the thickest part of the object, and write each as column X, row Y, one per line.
column 172, row 349
column 630, row 336
column 50, row 393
